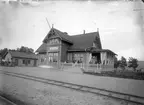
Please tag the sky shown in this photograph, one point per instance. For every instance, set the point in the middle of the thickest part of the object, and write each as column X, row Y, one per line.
column 120, row 23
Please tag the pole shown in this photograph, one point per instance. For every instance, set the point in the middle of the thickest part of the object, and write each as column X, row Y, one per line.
column 48, row 23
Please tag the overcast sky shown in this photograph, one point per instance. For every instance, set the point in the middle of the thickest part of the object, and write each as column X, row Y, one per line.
column 120, row 27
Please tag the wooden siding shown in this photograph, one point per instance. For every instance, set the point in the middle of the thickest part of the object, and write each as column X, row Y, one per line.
column 20, row 62
column 64, row 48
column 42, row 59
column 9, row 58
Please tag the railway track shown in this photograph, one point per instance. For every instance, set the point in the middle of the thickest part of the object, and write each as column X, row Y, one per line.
column 4, row 101
column 116, row 95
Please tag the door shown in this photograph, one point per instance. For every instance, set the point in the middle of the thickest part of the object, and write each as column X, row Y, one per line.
column 53, row 59
column 26, row 62
column 16, row 62
column 35, row 61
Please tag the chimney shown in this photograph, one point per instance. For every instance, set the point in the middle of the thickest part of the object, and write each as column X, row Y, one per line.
column 83, row 31
column 97, row 29
column 52, row 25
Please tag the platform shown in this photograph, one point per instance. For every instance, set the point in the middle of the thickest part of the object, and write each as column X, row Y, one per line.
column 128, row 86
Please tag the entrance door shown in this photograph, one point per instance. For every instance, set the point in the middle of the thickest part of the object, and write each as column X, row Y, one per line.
column 16, row 62
column 26, row 62
column 53, row 58
column 35, row 61
column 96, row 57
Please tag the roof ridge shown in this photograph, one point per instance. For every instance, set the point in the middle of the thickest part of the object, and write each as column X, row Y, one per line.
column 61, row 31
column 57, row 30
column 84, row 34
column 21, row 52
column 63, row 35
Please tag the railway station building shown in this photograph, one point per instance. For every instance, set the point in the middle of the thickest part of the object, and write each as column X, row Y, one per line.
column 86, row 48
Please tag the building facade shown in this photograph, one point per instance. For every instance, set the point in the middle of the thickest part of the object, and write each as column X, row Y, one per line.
column 58, row 47
column 0, row 58
column 20, row 58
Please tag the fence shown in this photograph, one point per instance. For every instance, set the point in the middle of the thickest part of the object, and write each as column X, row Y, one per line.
column 88, row 67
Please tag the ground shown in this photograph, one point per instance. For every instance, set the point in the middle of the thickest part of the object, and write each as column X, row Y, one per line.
column 35, row 93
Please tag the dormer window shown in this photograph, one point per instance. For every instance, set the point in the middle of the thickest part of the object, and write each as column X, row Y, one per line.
column 54, row 41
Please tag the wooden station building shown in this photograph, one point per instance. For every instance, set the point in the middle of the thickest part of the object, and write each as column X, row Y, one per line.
column 58, row 47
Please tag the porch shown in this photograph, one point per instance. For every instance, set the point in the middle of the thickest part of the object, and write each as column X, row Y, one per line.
column 104, row 57
column 90, row 60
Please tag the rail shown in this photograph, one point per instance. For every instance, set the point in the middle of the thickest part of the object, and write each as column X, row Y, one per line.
column 5, row 101
column 116, row 95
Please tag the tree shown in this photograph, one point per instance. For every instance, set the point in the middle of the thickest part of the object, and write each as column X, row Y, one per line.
column 12, row 50
column 18, row 49
column 133, row 63
column 3, row 51
column 22, row 49
column 122, row 63
column 31, row 50
column 116, row 63
column 25, row 49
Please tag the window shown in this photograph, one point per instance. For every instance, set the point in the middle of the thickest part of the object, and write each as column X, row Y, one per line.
column 42, row 60
column 78, row 57
column 94, row 45
column 24, row 61
column 69, row 56
column 53, row 57
column 28, row 61
column 57, row 41
column 54, row 41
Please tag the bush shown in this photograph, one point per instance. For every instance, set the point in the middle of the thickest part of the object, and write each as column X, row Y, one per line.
column 133, row 63
column 122, row 63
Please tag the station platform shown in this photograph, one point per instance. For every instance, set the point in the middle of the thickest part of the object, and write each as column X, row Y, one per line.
column 128, row 86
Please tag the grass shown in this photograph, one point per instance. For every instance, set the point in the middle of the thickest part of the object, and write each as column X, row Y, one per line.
column 120, row 74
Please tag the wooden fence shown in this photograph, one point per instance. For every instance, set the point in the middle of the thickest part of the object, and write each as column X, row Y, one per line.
column 88, row 67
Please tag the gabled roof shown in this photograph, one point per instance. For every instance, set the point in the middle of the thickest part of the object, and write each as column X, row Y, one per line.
column 78, row 42
column 62, row 35
column 42, row 48
column 84, row 41
column 18, row 54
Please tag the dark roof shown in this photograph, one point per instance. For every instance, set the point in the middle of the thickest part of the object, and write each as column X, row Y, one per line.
column 78, row 42
column 107, row 50
column 42, row 48
column 63, row 35
column 92, row 49
column 22, row 55
column 83, row 41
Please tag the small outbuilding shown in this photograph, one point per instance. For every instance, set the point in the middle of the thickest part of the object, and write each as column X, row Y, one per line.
column 20, row 58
